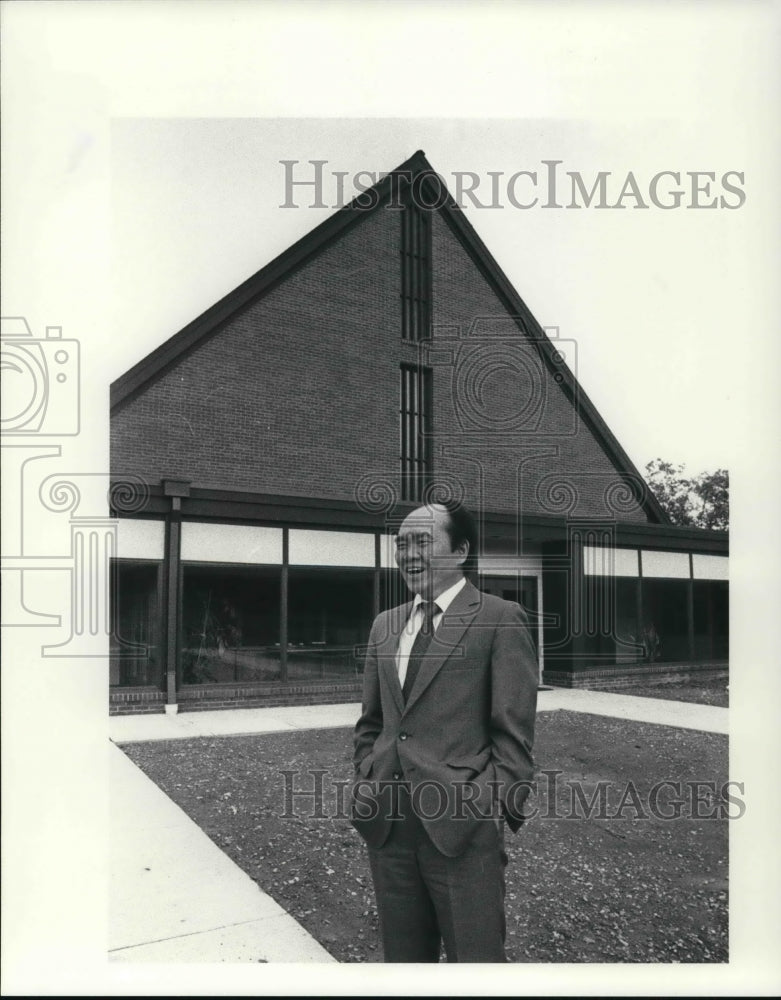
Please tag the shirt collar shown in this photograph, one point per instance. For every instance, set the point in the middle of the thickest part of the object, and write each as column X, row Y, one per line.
column 445, row 599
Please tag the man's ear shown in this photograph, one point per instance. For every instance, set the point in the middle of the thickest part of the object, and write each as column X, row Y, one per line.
column 463, row 552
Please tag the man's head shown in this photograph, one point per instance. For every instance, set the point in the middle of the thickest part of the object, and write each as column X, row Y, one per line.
column 435, row 546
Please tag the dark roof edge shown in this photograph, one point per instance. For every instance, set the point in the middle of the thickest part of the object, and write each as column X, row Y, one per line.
column 218, row 501
column 162, row 358
column 484, row 259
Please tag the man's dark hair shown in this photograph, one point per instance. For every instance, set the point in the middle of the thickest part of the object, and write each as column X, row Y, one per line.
column 462, row 527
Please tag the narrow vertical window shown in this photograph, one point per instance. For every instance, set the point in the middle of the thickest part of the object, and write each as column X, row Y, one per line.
column 415, row 430
column 415, row 272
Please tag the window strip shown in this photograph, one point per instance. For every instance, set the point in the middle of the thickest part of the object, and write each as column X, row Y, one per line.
column 416, row 279
column 415, row 428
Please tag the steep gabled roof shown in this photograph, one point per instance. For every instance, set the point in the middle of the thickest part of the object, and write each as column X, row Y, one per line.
column 159, row 361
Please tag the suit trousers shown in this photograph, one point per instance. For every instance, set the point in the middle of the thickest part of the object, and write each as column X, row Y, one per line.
column 425, row 898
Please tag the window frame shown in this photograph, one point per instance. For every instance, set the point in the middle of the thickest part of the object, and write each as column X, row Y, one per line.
column 415, row 428
column 416, row 276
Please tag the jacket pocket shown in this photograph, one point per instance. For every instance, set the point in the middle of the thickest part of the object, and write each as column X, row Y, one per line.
column 475, row 762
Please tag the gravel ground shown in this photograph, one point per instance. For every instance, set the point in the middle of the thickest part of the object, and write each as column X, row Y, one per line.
column 622, row 885
column 713, row 691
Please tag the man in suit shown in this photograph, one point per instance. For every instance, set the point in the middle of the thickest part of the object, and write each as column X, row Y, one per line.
column 443, row 747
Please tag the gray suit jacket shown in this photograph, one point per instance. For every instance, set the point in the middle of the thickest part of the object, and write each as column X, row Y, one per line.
column 469, row 721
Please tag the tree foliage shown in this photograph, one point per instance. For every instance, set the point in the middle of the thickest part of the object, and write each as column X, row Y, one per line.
column 700, row 501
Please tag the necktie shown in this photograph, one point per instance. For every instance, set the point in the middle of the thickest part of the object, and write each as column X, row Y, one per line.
column 420, row 645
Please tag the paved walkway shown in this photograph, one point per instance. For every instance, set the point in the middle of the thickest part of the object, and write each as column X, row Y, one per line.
column 236, row 722
column 175, row 897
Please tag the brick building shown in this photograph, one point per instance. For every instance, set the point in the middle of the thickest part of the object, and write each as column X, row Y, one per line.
column 262, row 456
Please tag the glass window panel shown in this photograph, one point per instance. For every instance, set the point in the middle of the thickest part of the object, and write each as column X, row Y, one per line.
column 388, row 551
column 415, row 272
column 607, row 616
column 667, row 565
column 600, row 561
column 393, row 589
column 139, row 538
column 628, row 642
column 711, row 619
column 135, row 647
column 710, row 567
column 415, row 419
column 309, row 547
column 230, row 624
column 230, row 543
column 330, row 613
column 665, row 633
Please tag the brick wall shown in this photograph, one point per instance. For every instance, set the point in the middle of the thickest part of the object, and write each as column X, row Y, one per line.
column 622, row 678
column 135, row 701
column 299, row 394
column 462, row 295
column 213, row 697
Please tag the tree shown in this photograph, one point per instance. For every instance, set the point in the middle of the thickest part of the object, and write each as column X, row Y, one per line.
column 701, row 501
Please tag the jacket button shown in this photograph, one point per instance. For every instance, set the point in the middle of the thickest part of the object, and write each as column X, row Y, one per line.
column 402, row 736
column 397, row 775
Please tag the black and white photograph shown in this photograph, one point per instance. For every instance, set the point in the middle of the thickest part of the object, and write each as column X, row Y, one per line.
column 389, row 435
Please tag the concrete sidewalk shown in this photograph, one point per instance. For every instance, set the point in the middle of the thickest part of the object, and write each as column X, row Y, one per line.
column 681, row 714
column 175, row 897
column 241, row 721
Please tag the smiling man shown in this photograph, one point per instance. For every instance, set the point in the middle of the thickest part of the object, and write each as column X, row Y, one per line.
column 443, row 747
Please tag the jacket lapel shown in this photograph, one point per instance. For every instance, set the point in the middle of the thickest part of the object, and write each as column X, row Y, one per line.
column 446, row 639
column 388, row 648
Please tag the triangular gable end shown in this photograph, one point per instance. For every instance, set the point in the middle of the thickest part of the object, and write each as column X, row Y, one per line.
column 419, row 170
column 517, row 312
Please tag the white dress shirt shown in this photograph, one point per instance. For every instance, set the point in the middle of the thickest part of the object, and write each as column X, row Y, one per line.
column 415, row 621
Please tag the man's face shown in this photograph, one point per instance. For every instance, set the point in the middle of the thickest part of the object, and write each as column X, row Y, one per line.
column 424, row 554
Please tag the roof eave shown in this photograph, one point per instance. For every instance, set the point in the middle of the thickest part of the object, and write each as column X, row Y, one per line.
column 160, row 360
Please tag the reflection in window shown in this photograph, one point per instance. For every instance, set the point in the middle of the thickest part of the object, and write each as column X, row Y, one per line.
column 230, row 624
column 393, row 589
column 415, row 271
column 329, row 616
column 711, row 619
column 629, row 646
column 135, row 659
column 610, row 634
column 665, row 632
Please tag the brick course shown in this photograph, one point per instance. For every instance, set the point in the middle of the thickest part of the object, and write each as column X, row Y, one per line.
column 212, row 697
column 462, row 295
column 299, row 393
column 621, row 678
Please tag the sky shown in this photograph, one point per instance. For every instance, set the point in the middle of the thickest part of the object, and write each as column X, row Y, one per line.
column 141, row 181
column 146, row 175
column 652, row 296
